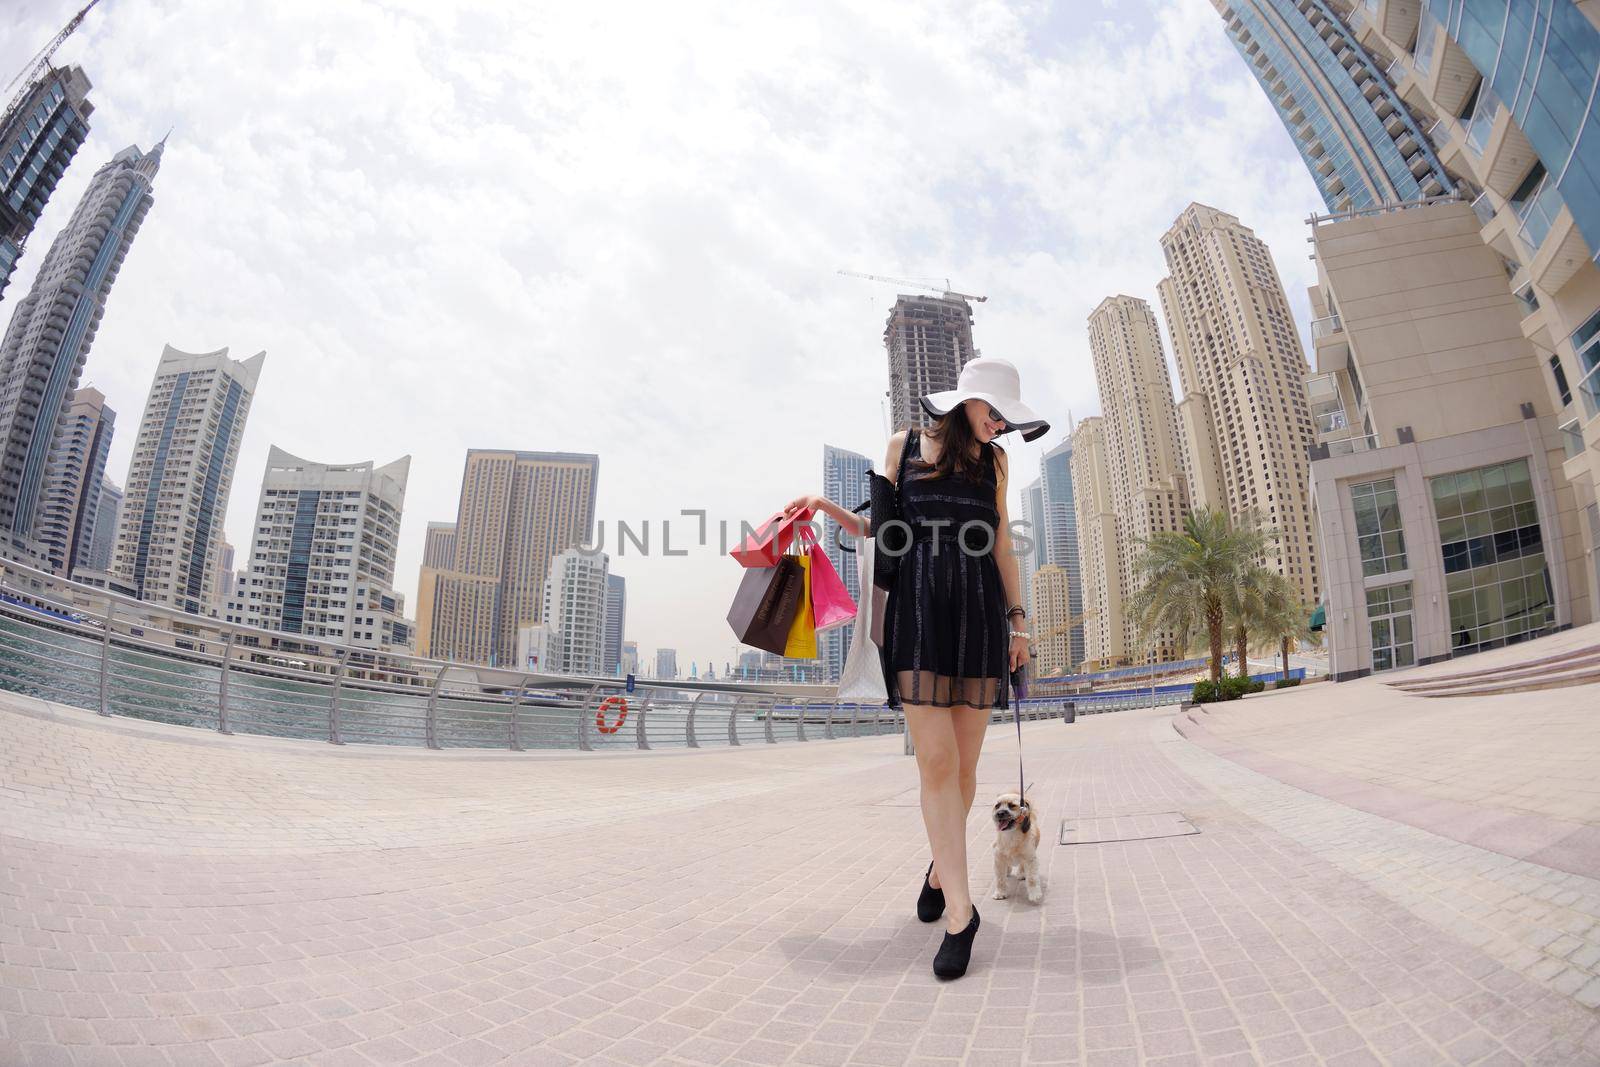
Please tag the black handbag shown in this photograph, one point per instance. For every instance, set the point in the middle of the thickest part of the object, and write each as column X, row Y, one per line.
column 889, row 542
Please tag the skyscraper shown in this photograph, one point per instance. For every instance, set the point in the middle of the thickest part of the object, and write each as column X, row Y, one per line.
column 1140, row 425
column 1052, row 636
column 1033, row 520
column 1236, row 345
column 104, row 537
column 37, row 141
column 844, row 479
column 518, row 511
column 48, row 340
column 439, row 550
column 929, row 339
column 574, row 613
column 616, row 621
column 1357, row 136
column 1061, row 544
column 323, row 551
column 666, row 663
column 1105, row 643
column 181, row 474
column 74, row 475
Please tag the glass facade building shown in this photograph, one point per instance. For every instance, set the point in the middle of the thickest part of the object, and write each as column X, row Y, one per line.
column 1061, row 535
column 37, row 141
column 1359, row 140
column 1540, row 59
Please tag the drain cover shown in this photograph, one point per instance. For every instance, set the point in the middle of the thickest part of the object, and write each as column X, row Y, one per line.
column 1100, row 829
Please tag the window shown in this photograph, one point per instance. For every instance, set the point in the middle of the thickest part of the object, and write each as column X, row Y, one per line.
column 1495, row 574
column 1378, row 529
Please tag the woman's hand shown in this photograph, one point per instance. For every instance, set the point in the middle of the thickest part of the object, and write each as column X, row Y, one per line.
column 1019, row 652
column 801, row 503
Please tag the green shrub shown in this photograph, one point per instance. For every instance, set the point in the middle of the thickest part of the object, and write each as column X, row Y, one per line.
column 1230, row 688
column 1286, row 683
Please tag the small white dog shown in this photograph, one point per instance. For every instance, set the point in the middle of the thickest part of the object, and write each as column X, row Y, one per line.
column 1016, row 847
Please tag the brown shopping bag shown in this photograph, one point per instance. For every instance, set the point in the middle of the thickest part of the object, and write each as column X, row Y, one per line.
column 766, row 604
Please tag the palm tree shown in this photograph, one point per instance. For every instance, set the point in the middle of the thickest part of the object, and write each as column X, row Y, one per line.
column 1285, row 618
column 1188, row 574
column 1244, row 603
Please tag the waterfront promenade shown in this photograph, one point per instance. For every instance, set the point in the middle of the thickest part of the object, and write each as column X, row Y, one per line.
column 171, row 896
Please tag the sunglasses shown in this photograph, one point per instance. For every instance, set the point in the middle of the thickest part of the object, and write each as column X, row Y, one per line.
column 995, row 416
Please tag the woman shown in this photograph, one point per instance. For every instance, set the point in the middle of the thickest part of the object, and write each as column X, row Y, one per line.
column 954, row 625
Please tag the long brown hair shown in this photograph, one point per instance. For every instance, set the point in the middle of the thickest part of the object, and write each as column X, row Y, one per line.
column 953, row 431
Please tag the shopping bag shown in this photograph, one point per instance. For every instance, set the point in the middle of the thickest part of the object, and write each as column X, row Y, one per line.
column 765, row 606
column 771, row 539
column 830, row 601
column 802, row 643
column 861, row 679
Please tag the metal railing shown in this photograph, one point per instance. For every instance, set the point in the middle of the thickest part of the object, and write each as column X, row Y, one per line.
column 1326, row 326
column 1384, row 208
column 1350, row 445
column 125, row 657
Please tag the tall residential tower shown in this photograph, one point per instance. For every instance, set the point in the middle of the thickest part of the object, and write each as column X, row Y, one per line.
column 180, row 476
column 37, row 141
column 1238, row 352
column 323, row 553
column 48, row 340
column 518, row 511
column 1143, row 456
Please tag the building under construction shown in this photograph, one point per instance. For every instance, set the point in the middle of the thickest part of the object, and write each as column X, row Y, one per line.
column 929, row 339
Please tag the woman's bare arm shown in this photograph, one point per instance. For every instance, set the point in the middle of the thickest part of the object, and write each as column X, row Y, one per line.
column 857, row 523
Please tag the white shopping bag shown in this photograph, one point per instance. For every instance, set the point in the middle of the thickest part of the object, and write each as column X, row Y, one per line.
column 861, row 680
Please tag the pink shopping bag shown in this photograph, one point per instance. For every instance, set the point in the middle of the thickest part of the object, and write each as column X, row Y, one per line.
column 772, row 539
column 830, row 600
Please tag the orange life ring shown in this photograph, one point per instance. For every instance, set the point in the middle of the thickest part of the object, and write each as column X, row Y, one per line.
column 600, row 722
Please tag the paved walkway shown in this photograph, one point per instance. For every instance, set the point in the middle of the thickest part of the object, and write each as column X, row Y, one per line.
column 171, row 897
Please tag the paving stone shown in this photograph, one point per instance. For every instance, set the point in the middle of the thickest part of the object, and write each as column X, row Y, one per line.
column 244, row 901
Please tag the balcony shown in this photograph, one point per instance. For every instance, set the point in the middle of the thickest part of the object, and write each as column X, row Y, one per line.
column 1543, row 220
column 1399, row 19
column 1326, row 327
column 1351, row 445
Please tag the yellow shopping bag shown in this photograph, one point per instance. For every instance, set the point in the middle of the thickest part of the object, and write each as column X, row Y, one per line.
column 802, row 643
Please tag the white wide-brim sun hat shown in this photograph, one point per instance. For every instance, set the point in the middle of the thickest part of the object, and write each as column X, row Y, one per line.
column 995, row 381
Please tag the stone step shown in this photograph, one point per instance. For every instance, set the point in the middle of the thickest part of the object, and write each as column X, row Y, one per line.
column 1588, row 675
column 1543, row 661
column 1516, row 671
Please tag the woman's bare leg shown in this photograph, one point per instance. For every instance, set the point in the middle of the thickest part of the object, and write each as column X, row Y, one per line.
column 944, row 812
column 971, row 725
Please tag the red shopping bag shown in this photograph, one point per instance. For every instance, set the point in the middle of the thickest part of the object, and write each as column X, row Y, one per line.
column 767, row 544
column 830, row 600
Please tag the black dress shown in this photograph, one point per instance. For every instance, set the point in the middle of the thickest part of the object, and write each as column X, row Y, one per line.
column 945, row 636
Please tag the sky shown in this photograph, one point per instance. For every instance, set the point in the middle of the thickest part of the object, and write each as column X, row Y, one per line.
column 617, row 229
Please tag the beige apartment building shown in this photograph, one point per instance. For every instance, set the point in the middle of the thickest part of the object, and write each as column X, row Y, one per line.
column 1503, row 116
column 439, row 548
column 1142, row 454
column 1245, row 417
column 518, row 511
column 1448, row 524
column 1099, row 555
column 1052, row 622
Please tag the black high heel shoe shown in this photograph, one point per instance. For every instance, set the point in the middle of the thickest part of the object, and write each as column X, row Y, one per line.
column 930, row 904
column 956, row 950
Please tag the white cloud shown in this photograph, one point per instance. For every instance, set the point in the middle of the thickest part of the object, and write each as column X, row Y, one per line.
column 614, row 228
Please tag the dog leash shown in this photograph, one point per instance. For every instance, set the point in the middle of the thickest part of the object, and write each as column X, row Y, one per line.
column 1016, row 704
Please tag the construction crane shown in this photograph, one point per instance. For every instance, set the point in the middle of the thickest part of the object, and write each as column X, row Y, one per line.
column 38, row 64
column 912, row 283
